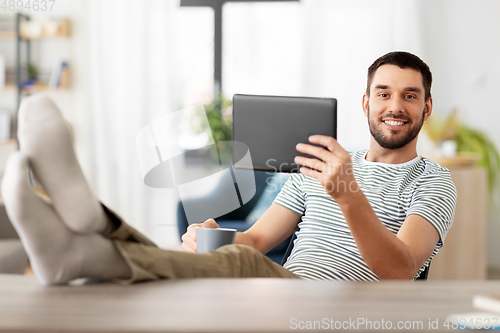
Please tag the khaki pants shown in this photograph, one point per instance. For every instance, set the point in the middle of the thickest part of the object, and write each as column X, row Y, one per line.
column 148, row 262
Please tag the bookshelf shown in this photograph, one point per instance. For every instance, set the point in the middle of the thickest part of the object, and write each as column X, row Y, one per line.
column 27, row 31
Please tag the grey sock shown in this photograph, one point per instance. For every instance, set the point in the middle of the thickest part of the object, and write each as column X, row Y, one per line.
column 45, row 139
column 57, row 254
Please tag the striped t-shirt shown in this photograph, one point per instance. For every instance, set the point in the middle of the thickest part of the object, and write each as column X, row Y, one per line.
column 325, row 248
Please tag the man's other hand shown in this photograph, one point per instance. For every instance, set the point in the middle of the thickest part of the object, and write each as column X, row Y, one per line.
column 189, row 238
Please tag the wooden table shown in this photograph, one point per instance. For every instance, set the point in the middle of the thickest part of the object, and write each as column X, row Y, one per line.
column 228, row 305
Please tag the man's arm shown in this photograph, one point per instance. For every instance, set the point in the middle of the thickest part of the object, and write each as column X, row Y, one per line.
column 273, row 227
column 389, row 256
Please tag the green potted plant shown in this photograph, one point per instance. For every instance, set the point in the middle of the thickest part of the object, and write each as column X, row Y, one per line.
column 218, row 112
column 219, row 115
column 32, row 72
column 468, row 140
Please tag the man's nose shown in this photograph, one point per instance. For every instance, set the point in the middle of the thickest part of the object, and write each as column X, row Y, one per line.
column 396, row 105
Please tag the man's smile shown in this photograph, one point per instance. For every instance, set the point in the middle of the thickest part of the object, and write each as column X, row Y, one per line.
column 394, row 124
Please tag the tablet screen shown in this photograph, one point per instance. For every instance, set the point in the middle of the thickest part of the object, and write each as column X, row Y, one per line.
column 271, row 127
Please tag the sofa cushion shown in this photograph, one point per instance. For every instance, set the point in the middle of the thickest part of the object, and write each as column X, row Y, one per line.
column 13, row 258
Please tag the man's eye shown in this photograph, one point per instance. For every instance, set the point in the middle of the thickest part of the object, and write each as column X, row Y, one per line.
column 410, row 96
column 383, row 95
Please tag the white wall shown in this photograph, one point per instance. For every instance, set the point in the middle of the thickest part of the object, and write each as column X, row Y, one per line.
column 462, row 47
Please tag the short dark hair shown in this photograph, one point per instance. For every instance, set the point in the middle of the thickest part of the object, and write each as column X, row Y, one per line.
column 402, row 60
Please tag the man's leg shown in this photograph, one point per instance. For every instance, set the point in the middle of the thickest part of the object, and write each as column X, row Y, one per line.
column 59, row 255
column 148, row 262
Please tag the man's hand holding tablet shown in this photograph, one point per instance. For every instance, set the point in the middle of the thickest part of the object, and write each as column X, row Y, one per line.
column 332, row 166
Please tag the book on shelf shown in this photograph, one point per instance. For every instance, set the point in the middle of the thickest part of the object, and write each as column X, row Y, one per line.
column 59, row 75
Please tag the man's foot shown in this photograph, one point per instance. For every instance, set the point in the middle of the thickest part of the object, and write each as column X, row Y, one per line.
column 57, row 255
column 45, row 138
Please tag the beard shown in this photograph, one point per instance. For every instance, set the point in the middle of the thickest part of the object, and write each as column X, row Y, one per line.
column 395, row 143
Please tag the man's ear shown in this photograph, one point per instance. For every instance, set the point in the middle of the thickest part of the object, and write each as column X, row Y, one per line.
column 428, row 108
column 365, row 104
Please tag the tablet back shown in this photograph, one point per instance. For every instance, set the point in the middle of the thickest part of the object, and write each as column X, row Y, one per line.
column 271, row 126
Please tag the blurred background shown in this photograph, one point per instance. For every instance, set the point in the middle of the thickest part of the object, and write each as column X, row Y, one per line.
column 125, row 63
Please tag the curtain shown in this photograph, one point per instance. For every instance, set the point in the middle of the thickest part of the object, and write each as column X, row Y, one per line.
column 132, row 82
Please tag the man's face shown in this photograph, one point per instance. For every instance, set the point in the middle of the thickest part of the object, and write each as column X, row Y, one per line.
column 396, row 108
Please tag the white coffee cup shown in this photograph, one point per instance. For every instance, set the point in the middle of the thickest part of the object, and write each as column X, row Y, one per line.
column 209, row 239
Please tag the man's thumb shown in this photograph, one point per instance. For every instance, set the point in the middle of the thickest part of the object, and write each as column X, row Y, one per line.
column 210, row 223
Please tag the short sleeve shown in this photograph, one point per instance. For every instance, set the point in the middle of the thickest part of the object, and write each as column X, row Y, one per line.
column 291, row 195
column 434, row 198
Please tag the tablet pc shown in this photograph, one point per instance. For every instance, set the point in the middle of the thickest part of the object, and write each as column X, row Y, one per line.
column 271, row 127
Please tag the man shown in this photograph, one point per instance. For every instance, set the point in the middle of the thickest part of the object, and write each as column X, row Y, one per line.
column 377, row 214
column 381, row 213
